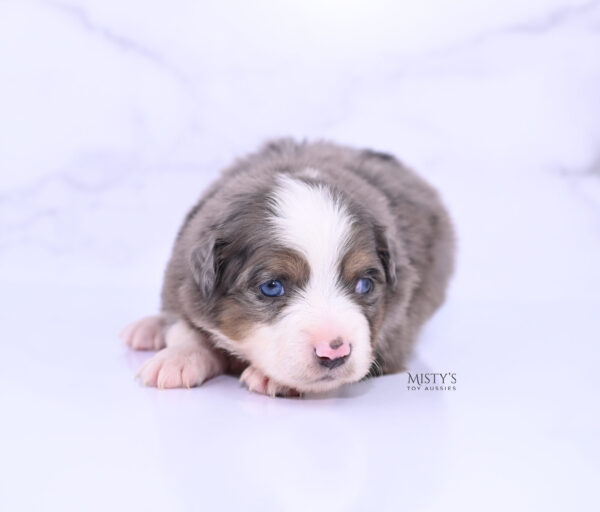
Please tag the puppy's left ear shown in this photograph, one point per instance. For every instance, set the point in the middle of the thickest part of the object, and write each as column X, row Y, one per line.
column 388, row 254
column 204, row 263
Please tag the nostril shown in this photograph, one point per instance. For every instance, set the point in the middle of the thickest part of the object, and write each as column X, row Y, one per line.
column 336, row 343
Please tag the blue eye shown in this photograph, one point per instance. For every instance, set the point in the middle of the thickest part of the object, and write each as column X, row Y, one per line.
column 272, row 288
column 363, row 285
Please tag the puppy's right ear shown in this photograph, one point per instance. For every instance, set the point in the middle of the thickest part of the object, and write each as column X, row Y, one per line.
column 203, row 262
column 386, row 251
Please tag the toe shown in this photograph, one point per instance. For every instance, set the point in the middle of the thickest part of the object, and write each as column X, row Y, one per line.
column 169, row 377
column 148, row 373
column 189, row 376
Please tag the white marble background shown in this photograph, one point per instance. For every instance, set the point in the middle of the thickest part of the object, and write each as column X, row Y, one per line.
column 115, row 115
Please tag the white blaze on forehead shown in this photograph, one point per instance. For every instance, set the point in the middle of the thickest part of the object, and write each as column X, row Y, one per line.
column 313, row 221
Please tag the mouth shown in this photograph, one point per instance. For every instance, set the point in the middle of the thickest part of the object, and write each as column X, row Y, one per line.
column 325, row 378
column 331, row 373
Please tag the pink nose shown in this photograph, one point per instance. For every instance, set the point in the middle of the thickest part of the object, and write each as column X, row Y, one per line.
column 334, row 349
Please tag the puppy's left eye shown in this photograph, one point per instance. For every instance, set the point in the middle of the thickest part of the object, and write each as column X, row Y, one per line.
column 363, row 285
column 272, row 288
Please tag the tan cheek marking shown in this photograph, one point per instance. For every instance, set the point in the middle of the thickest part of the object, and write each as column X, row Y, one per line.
column 377, row 321
column 234, row 321
column 353, row 265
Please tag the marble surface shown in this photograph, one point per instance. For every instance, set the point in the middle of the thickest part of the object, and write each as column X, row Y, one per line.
column 113, row 118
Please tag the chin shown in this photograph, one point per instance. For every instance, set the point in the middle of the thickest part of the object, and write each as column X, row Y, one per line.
column 305, row 267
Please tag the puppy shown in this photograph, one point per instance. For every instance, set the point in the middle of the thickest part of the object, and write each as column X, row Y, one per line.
column 304, row 267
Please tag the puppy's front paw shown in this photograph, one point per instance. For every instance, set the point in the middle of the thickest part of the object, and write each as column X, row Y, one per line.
column 146, row 334
column 258, row 382
column 175, row 367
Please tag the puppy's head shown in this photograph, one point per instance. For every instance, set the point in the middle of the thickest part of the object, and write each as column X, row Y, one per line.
column 295, row 281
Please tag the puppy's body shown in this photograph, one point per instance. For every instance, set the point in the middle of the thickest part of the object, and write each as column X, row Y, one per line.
column 358, row 249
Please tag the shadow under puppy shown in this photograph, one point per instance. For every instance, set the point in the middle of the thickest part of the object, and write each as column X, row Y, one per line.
column 304, row 266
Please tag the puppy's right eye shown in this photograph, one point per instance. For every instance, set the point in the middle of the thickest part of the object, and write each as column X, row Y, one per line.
column 364, row 285
column 272, row 288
